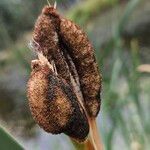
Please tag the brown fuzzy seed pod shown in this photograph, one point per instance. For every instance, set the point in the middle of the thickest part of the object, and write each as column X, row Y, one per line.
column 45, row 34
column 64, row 42
column 54, row 105
column 82, row 54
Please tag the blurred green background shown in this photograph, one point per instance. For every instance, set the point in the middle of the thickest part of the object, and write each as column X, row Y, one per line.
column 120, row 33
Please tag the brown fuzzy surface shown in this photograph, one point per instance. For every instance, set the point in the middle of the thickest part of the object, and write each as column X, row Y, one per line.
column 82, row 54
column 45, row 34
column 45, row 99
column 53, row 97
column 56, row 37
column 54, row 105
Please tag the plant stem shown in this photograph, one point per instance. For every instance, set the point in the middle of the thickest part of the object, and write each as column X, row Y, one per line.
column 87, row 145
column 93, row 142
column 94, row 135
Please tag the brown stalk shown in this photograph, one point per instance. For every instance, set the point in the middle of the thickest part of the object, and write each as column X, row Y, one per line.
column 94, row 134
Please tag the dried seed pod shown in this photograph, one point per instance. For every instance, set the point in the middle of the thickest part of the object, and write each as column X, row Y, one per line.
column 64, row 42
column 53, row 104
column 81, row 51
column 45, row 34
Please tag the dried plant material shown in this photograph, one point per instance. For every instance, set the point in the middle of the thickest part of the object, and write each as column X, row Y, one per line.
column 65, row 84
column 45, row 34
column 82, row 54
column 54, row 105
column 60, row 38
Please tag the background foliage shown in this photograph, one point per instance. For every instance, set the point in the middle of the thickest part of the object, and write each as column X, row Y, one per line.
column 119, row 31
